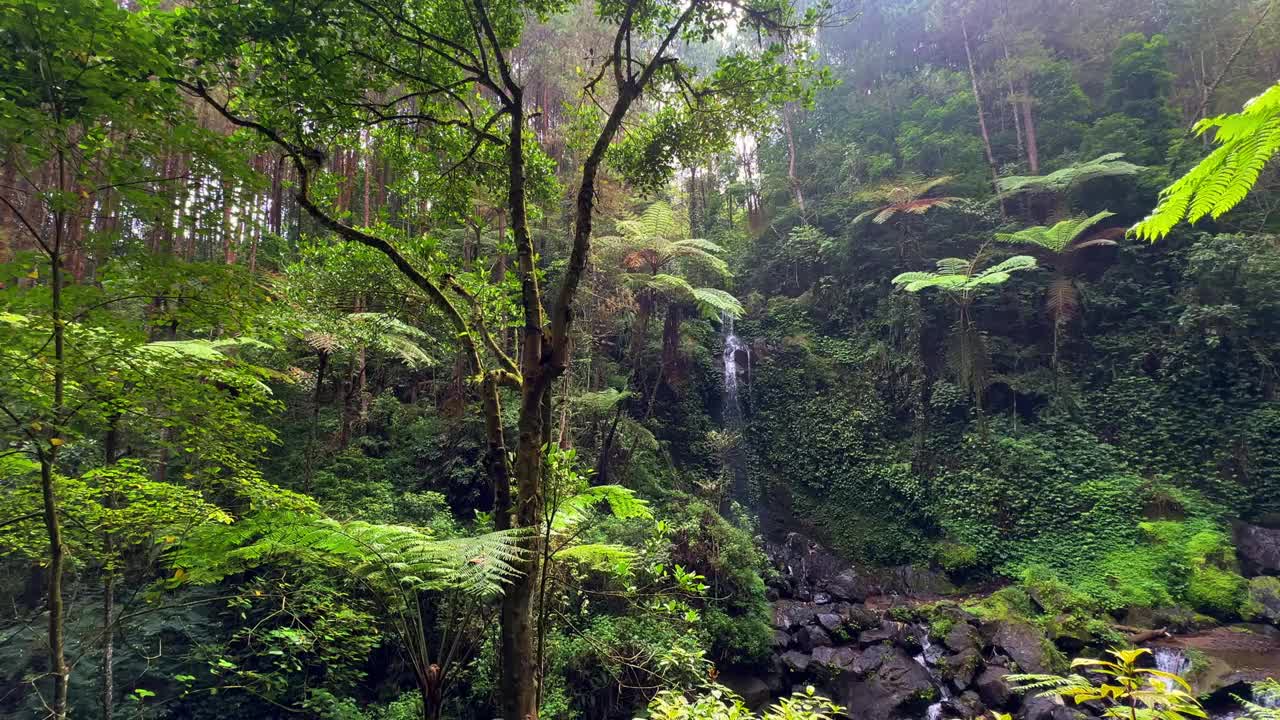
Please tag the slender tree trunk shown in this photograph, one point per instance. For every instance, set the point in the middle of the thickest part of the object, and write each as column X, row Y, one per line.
column 982, row 116
column 1017, row 120
column 109, row 453
column 1029, row 127
column 792, row 178
column 48, row 463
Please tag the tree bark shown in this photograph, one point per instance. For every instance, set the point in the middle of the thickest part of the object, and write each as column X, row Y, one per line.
column 1029, row 127
column 792, row 178
column 982, row 116
column 109, row 452
column 48, row 462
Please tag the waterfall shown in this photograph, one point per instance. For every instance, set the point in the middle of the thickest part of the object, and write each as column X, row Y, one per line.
column 1171, row 660
column 733, row 403
column 733, row 420
column 928, row 654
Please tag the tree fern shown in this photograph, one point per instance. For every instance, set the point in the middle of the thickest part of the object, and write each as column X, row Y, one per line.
column 712, row 302
column 390, row 558
column 1066, row 236
column 1060, row 181
column 1246, row 141
column 904, row 196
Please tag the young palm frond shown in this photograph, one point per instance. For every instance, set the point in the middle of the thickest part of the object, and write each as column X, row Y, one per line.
column 1109, row 165
column 906, row 196
column 1246, row 141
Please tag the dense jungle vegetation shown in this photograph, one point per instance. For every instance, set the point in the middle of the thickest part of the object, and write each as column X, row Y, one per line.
column 390, row 359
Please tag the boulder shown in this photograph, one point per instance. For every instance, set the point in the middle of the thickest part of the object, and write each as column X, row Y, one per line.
column 869, row 660
column 858, row 617
column 781, row 639
column 968, row 705
column 803, row 563
column 796, row 661
column 1258, row 549
column 915, row 581
column 992, row 687
column 1264, row 598
column 812, row 637
column 834, row 659
column 961, row 637
column 821, row 598
column 1021, row 642
column 831, row 622
column 889, row 631
column 754, row 691
column 790, row 614
column 849, row 585
column 961, row 667
column 898, row 687
column 1043, row 707
column 1069, row 633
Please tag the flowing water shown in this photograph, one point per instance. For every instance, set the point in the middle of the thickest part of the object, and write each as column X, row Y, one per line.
column 934, row 711
column 1171, row 660
column 733, row 420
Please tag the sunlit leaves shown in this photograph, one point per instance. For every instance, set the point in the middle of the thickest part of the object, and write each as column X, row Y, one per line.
column 1246, row 142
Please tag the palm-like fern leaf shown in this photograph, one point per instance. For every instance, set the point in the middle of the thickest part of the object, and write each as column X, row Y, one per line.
column 1109, row 165
column 622, row 503
column 716, row 303
column 391, row 558
column 906, row 196
column 1246, row 141
column 1067, row 235
column 959, row 275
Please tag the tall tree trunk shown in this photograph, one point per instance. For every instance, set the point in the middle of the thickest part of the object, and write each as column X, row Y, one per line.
column 1017, row 120
column 109, row 454
column 1029, row 126
column 48, row 463
column 982, row 116
column 520, row 684
column 792, row 178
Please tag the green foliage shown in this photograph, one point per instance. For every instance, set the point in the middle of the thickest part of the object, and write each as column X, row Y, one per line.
column 963, row 277
column 1070, row 177
column 390, row 558
column 1125, row 690
column 719, row 703
column 1065, row 236
column 1246, row 143
column 1266, row 691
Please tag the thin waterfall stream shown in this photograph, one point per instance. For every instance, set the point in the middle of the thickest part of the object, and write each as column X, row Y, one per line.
column 733, row 419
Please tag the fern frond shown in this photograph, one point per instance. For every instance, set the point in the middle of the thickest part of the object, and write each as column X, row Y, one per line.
column 622, row 502
column 1109, row 165
column 1246, row 141
column 597, row 556
column 715, row 303
column 391, row 558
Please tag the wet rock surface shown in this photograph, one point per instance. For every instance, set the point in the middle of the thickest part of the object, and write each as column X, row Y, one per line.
column 1258, row 549
column 858, row 637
